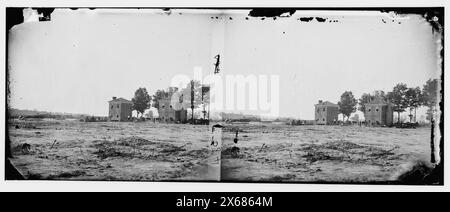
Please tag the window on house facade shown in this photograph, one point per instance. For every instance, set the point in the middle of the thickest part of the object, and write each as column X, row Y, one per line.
column 376, row 109
column 323, row 109
column 370, row 110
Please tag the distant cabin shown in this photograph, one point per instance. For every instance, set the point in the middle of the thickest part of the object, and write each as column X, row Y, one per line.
column 326, row 113
column 120, row 109
column 167, row 113
column 378, row 113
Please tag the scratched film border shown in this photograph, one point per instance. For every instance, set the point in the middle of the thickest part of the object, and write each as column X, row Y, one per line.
column 14, row 16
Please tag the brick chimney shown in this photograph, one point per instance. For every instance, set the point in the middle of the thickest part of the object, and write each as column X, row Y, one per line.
column 114, row 98
column 320, row 101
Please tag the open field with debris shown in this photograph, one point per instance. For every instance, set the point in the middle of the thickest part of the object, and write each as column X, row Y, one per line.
column 141, row 151
column 145, row 151
column 347, row 154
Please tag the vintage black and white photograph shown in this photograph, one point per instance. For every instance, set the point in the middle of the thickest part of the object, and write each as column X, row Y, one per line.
column 265, row 95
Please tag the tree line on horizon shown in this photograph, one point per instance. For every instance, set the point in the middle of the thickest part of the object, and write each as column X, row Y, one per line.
column 401, row 97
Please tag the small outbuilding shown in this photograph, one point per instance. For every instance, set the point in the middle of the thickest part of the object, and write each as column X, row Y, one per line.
column 326, row 113
column 120, row 109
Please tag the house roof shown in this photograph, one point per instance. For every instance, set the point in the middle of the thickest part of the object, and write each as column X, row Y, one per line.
column 121, row 100
column 377, row 101
column 327, row 103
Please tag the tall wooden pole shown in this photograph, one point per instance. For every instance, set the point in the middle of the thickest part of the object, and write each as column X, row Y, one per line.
column 433, row 158
column 192, row 101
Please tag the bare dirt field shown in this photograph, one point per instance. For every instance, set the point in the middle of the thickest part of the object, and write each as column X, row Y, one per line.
column 146, row 151
column 141, row 151
column 347, row 154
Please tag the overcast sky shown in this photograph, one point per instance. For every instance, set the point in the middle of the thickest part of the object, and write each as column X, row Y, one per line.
column 80, row 59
